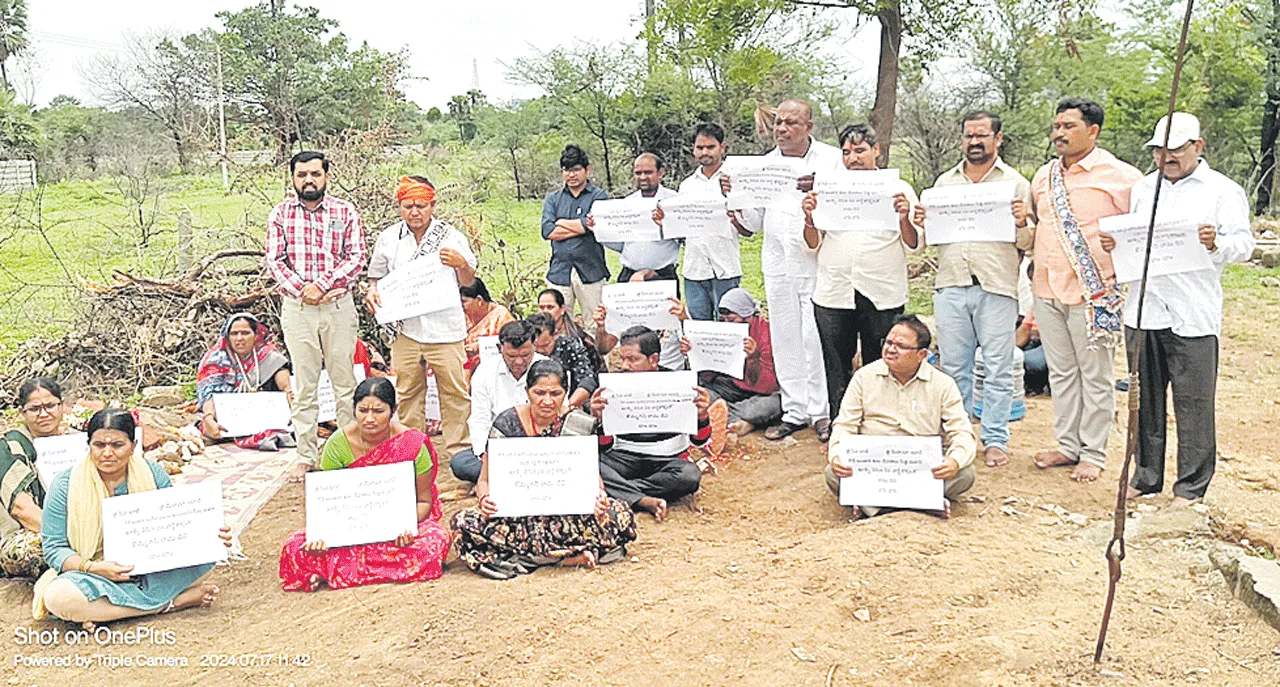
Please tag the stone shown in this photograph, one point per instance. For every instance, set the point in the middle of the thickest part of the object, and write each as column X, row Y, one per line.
column 1271, row 282
column 1078, row 519
column 1169, row 524
column 163, row 396
column 1255, row 581
column 1271, row 257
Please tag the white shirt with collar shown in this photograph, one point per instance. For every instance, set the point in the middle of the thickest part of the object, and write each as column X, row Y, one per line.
column 1190, row 303
column 395, row 247
column 784, row 252
column 648, row 255
column 709, row 257
column 494, row 390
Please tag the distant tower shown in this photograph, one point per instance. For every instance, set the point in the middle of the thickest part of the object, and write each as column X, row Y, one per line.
column 475, row 75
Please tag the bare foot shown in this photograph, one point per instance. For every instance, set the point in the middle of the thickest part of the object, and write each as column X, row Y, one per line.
column 88, row 626
column 314, row 582
column 1052, row 459
column 202, row 594
column 586, row 559
column 1131, row 493
column 1180, row 502
column 1086, row 472
column 297, row 473
column 653, row 506
column 740, row 428
column 996, row 457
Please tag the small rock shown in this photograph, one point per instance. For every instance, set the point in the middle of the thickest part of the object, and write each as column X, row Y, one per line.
column 803, row 655
column 862, row 614
column 1009, row 510
column 1271, row 282
column 1110, row 673
column 1010, row 500
column 1046, row 521
column 1271, row 257
column 1078, row 519
column 162, row 396
column 1255, row 581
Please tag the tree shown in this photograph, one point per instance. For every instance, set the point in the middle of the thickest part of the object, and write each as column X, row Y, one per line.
column 462, row 109
column 19, row 133
column 13, row 33
column 1268, row 21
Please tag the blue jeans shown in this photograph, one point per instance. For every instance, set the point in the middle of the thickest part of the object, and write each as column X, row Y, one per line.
column 465, row 465
column 968, row 317
column 703, row 296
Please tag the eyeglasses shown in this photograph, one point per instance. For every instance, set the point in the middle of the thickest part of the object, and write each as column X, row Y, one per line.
column 46, row 408
column 900, row 347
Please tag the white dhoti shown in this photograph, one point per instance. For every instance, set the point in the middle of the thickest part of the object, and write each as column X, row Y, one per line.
column 797, row 352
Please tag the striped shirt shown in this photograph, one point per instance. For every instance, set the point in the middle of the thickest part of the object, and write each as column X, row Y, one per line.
column 324, row 246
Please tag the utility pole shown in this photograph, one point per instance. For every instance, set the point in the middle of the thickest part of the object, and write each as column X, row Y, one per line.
column 652, row 40
column 222, row 124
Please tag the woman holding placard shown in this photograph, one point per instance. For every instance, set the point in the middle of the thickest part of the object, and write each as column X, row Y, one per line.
column 244, row 359
column 21, row 493
column 501, row 548
column 484, row 318
column 82, row 587
column 374, row 439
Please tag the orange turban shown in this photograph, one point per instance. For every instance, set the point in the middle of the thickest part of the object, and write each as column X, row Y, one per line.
column 412, row 189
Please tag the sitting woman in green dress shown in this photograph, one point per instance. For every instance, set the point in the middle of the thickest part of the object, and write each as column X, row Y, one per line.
column 80, row 586
column 21, row 494
column 501, row 548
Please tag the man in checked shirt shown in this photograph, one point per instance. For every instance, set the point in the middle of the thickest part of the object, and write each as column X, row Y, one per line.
column 315, row 250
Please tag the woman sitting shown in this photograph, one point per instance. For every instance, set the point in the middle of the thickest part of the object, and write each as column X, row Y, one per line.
column 21, row 494
column 374, row 439
column 80, row 586
column 243, row 359
column 501, row 548
column 484, row 318
column 572, row 356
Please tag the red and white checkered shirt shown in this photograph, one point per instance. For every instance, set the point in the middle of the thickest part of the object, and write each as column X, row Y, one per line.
column 324, row 246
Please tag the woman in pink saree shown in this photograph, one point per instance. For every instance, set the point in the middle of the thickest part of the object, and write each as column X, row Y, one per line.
column 374, row 439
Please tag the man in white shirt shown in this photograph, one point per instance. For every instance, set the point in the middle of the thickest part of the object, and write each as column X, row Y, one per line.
column 496, row 386
column 790, row 273
column 712, row 264
column 437, row 338
column 659, row 256
column 1182, row 313
column 862, row 274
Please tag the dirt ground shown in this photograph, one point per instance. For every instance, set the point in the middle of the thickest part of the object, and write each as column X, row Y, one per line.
column 767, row 582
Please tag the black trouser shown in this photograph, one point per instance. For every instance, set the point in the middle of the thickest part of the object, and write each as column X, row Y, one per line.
column 1190, row 365
column 839, row 331
column 668, row 272
column 630, row 476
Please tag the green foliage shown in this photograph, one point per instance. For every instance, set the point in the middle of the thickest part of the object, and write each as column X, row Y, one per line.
column 13, row 32
column 19, row 134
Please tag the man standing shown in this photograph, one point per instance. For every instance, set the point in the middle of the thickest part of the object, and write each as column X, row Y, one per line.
column 976, row 302
column 903, row 395
column 315, row 249
column 1078, row 308
column 659, row 256
column 712, row 264
column 577, row 270
column 437, row 338
column 497, row 386
column 862, row 275
column 1182, row 313
column 790, row 272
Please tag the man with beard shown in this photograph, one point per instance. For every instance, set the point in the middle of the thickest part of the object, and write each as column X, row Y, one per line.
column 976, row 302
column 1078, row 308
column 659, row 256
column 315, row 249
column 790, row 273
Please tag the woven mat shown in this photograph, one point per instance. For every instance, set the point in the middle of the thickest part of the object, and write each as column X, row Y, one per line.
column 249, row 478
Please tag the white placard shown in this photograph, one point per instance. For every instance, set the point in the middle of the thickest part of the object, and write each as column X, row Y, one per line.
column 422, row 285
column 639, row 303
column 625, row 219
column 695, row 215
column 326, row 398
column 891, row 471
column 856, row 200
column 646, row 402
column 58, row 453
column 489, row 349
column 355, row 506
column 544, row 475
column 965, row 213
column 243, row 415
column 717, row 346
column 433, row 398
column 759, row 181
column 1175, row 247
column 164, row 529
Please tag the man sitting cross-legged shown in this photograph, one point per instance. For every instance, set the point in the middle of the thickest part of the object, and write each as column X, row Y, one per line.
column 645, row 471
column 902, row 395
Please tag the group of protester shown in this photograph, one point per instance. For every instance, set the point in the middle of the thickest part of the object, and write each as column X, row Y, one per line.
column 838, row 352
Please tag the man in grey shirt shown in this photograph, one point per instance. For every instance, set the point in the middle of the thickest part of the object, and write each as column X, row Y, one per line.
column 573, row 247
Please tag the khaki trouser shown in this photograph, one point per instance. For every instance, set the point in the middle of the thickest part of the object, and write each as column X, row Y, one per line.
column 408, row 358
column 1081, row 377
column 319, row 336
column 588, row 296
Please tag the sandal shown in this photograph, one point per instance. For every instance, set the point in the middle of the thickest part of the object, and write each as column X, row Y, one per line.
column 782, row 430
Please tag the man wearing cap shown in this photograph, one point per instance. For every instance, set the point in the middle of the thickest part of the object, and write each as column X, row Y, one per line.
column 436, row 338
column 1078, row 308
column 976, row 302
column 754, row 401
column 1181, row 314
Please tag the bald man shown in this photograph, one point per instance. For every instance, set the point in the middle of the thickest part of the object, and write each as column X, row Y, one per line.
column 790, row 273
column 659, row 256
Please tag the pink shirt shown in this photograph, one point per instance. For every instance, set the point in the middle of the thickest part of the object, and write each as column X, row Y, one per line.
column 1097, row 186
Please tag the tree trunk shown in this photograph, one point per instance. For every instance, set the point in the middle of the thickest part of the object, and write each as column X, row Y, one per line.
column 515, row 171
column 4, row 75
column 604, row 143
column 180, row 147
column 882, row 112
column 1270, row 117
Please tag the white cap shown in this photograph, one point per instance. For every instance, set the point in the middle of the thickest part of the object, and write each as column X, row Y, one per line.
column 1185, row 128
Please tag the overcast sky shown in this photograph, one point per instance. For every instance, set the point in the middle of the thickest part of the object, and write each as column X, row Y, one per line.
column 442, row 37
